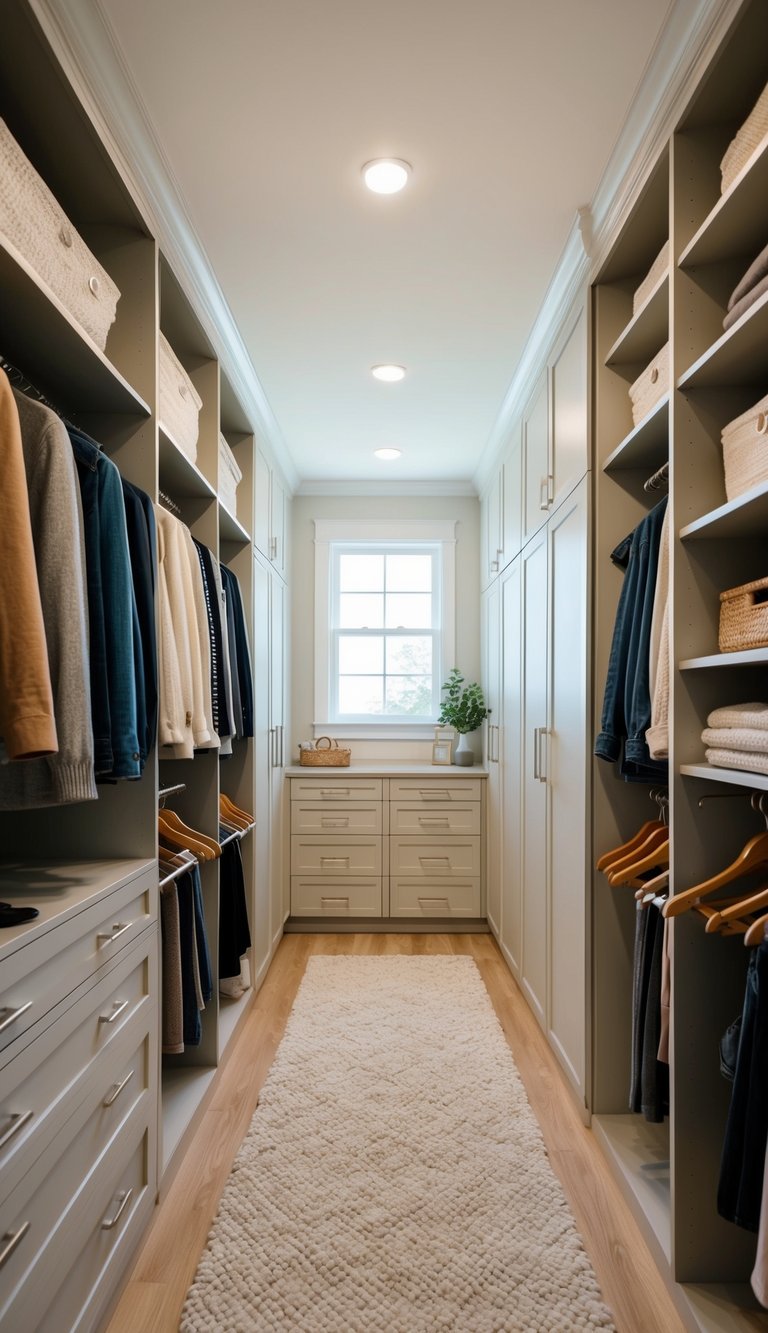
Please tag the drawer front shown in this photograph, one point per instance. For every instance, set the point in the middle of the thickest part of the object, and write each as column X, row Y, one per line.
column 411, row 818
column 435, row 857
column 78, row 1053
column 423, row 790
column 63, row 1287
column 358, row 897
column 434, row 898
column 49, row 968
column 335, row 858
column 315, row 817
column 327, row 789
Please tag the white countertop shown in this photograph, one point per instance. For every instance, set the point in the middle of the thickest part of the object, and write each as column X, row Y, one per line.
column 390, row 769
column 59, row 889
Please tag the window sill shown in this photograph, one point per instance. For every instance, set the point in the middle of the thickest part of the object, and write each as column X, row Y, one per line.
column 384, row 731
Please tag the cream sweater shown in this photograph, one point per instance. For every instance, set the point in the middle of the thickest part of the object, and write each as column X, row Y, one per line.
column 184, row 646
column 657, row 735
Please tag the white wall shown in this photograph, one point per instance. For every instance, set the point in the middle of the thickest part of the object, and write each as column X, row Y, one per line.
column 305, row 509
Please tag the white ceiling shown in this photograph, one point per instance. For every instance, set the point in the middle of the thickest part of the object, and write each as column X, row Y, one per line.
column 265, row 111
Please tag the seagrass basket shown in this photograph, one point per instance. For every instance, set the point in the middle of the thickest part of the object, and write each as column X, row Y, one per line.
column 331, row 756
column 744, row 617
column 745, row 450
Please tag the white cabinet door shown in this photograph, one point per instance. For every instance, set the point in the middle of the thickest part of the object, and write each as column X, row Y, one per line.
column 491, row 677
column 262, row 501
column 510, row 817
column 260, row 915
column 278, row 879
column 534, row 760
column 536, row 461
column 569, row 451
column 511, row 505
column 277, row 524
column 567, row 779
column 491, row 529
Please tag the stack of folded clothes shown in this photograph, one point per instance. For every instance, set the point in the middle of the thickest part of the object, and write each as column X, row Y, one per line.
column 737, row 737
column 748, row 138
column 749, row 289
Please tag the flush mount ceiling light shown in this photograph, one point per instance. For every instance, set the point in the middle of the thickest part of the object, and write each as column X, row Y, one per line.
column 386, row 175
column 390, row 374
column 387, row 454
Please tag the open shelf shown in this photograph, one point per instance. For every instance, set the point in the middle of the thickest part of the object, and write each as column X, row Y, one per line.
column 746, row 516
column 736, row 224
column 183, row 1089
column 42, row 340
column 231, row 1012
column 639, row 1153
column 735, row 777
column 646, row 332
column 740, row 356
column 647, row 445
column 230, row 530
column 178, row 474
column 749, row 657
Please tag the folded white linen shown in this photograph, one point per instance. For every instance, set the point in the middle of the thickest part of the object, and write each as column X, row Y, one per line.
column 753, row 763
column 736, row 738
column 740, row 715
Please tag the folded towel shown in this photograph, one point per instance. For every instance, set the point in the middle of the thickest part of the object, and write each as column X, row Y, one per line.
column 740, row 715
column 745, row 141
column 758, row 269
column 753, row 763
column 751, row 298
column 736, row 738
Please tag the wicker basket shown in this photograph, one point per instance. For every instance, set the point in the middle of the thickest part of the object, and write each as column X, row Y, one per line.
column 649, row 387
column 744, row 617
column 230, row 476
column 332, row 756
column 659, row 266
column 745, row 450
column 747, row 139
column 180, row 403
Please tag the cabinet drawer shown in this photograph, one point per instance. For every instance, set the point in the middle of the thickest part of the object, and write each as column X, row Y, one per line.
column 435, row 857
column 423, row 790
column 336, row 858
column 410, row 817
column 315, row 817
column 357, row 897
column 335, row 789
column 49, row 968
column 434, row 898
column 80, row 1051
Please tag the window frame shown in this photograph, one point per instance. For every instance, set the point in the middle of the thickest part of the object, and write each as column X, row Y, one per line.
column 378, row 535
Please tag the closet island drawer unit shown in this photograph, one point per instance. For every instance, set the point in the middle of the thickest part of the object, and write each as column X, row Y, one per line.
column 336, row 846
column 433, row 897
column 353, row 897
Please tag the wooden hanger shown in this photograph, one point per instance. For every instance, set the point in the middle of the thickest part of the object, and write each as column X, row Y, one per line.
column 226, row 806
column 754, row 854
column 184, row 840
column 653, row 886
column 756, row 932
column 618, row 853
column 737, row 909
column 176, row 822
column 653, row 852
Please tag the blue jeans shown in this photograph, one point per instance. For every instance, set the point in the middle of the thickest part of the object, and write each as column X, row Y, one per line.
column 740, row 1190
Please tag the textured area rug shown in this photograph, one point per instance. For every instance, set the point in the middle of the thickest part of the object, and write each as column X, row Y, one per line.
column 394, row 1177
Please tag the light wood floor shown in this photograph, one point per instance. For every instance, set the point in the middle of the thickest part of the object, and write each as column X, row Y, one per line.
column 154, row 1293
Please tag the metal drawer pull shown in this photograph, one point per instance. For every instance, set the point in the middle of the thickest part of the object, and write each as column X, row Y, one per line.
column 327, row 822
column 125, row 1197
column 334, row 791
column 12, row 1014
column 430, row 902
column 11, row 1241
column 434, row 821
column 109, row 936
column 439, row 860
column 119, row 1007
column 18, row 1122
column 334, row 900
column 117, row 1088
column 432, row 794
column 334, row 860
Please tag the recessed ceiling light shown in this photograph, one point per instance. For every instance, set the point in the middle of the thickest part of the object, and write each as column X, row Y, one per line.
column 388, row 373
column 386, row 175
column 387, row 453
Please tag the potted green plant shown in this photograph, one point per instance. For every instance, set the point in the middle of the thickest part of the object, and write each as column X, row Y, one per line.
column 463, row 707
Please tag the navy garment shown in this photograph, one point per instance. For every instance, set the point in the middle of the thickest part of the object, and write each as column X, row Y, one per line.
column 142, row 546
column 239, row 653
column 110, row 612
column 193, row 1026
column 201, row 936
column 222, row 723
column 234, row 932
column 626, row 712
column 740, row 1191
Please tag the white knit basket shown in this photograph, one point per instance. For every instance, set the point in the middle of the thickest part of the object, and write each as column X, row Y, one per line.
column 180, row 402
column 745, row 450
column 36, row 225
column 747, row 139
column 230, row 476
column 649, row 387
column 659, row 267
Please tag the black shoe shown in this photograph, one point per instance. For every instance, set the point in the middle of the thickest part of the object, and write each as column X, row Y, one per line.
column 13, row 916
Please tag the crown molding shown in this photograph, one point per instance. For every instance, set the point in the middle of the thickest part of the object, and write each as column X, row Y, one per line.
column 376, row 488
column 82, row 40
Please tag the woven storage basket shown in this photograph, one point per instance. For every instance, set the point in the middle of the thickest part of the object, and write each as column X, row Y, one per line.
column 744, row 617
column 332, row 756
column 745, row 450
column 230, row 476
column 35, row 224
column 649, row 387
column 745, row 141
column 659, row 266
column 180, row 402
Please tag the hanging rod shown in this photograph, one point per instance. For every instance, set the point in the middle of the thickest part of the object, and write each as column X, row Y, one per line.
column 175, row 874
column 170, row 791
column 20, row 380
column 239, row 833
column 168, row 503
column 657, row 481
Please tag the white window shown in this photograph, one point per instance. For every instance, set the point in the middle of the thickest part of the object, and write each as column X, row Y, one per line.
column 384, row 625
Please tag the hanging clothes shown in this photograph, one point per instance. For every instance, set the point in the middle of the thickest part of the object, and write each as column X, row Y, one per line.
column 142, row 548
column 626, row 712
column 227, row 664
column 59, row 552
column 172, row 1004
column 740, row 1190
column 657, row 735
column 239, row 652
column 219, row 699
column 184, row 648
column 234, row 932
column 649, row 1090
column 27, row 723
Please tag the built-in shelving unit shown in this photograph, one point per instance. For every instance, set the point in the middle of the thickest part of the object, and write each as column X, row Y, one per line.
column 646, row 446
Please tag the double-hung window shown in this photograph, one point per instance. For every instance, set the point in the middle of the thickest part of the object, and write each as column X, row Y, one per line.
column 384, row 624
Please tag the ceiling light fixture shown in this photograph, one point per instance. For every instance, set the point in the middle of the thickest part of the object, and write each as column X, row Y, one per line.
column 390, row 374
column 386, row 175
column 387, row 454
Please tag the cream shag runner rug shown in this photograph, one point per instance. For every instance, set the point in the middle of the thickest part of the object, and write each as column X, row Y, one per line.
column 394, row 1177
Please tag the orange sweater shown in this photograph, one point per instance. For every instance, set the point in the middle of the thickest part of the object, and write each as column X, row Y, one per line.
column 27, row 724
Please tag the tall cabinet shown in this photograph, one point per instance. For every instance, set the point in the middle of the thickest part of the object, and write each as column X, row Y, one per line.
column 98, row 1118
column 670, row 1171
